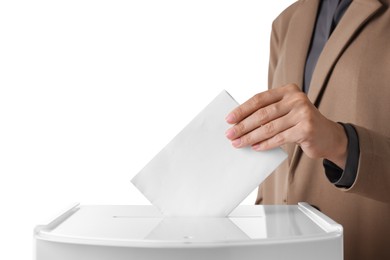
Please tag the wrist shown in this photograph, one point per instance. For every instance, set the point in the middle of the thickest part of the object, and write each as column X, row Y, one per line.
column 339, row 148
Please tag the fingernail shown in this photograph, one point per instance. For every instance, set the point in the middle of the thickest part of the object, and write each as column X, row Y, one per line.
column 256, row 147
column 236, row 142
column 230, row 118
column 230, row 133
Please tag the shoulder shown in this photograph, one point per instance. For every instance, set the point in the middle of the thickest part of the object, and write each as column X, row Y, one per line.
column 282, row 21
column 287, row 13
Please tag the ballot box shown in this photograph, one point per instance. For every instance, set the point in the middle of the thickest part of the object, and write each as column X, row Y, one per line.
column 93, row 232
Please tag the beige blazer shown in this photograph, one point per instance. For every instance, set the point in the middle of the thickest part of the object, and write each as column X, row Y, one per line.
column 351, row 84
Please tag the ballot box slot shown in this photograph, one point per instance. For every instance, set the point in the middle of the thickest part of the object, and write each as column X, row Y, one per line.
column 136, row 217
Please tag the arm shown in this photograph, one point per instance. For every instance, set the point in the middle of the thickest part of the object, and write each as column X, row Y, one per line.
column 285, row 115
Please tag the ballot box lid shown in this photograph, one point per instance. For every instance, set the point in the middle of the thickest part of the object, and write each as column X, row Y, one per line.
column 144, row 226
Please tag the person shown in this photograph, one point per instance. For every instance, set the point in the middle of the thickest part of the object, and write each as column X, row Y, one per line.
column 328, row 107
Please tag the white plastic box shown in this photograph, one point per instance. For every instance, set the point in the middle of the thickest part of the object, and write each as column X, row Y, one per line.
column 141, row 232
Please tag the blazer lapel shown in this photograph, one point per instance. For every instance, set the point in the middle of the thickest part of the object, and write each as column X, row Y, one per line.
column 357, row 14
column 300, row 30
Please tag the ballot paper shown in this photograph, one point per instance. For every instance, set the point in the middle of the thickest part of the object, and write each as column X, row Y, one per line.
column 199, row 173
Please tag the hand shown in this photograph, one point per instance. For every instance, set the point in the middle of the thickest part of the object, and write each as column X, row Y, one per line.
column 285, row 115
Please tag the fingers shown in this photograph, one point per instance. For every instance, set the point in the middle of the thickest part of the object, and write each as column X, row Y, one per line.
column 257, row 119
column 277, row 140
column 253, row 104
column 264, row 119
column 265, row 132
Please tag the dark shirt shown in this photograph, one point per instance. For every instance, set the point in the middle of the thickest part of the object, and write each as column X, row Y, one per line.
column 329, row 14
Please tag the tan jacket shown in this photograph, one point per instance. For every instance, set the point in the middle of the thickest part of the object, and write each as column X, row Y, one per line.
column 351, row 84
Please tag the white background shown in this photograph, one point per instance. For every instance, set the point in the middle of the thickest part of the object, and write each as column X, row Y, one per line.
column 90, row 91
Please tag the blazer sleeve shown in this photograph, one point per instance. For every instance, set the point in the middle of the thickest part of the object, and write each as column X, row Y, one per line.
column 373, row 173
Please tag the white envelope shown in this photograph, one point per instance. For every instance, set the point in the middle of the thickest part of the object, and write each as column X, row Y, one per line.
column 199, row 173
